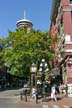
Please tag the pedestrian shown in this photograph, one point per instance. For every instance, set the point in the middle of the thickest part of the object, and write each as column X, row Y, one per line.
column 61, row 89
column 53, row 94
column 66, row 89
column 36, row 96
column 33, row 93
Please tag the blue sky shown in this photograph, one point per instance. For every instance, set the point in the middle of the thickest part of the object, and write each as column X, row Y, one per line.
column 37, row 11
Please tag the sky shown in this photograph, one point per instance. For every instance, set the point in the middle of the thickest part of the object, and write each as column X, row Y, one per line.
column 37, row 11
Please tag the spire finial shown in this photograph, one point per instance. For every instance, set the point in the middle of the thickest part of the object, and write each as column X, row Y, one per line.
column 24, row 14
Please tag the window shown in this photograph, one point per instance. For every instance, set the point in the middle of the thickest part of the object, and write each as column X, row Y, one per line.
column 70, row 1
column 67, row 38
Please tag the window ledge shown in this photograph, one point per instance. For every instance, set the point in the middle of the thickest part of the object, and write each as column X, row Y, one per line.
column 68, row 43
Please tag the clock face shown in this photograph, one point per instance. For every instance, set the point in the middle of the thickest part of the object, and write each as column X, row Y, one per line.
column 33, row 69
column 67, row 38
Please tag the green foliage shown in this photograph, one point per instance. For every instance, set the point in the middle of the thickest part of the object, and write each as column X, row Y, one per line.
column 22, row 48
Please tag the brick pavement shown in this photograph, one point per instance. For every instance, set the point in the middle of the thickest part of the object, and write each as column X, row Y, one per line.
column 15, row 101
column 29, row 104
column 61, row 102
column 32, row 103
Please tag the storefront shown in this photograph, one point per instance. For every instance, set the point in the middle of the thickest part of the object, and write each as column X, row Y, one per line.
column 66, row 67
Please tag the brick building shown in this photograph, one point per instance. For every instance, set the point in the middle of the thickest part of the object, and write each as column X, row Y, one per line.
column 61, row 25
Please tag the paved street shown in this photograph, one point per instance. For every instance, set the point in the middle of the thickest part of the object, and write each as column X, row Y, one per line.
column 8, row 98
column 11, row 99
column 7, row 103
column 64, row 103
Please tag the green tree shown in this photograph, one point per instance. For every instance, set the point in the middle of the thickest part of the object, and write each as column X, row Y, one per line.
column 22, row 48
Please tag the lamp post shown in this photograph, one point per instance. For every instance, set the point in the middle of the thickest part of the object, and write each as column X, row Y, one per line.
column 33, row 70
column 43, row 68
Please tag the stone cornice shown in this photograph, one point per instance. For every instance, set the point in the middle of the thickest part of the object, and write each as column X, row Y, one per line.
column 67, row 10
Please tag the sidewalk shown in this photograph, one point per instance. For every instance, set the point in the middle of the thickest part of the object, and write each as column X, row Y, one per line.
column 67, row 101
column 29, row 104
column 32, row 103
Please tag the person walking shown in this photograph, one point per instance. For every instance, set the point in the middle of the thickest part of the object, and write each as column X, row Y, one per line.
column 53, row 94
column 36, row 96
column 61, row 90
column 33, row 93
column 66, row 89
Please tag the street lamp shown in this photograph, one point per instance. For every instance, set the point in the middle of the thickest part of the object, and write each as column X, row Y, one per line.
column 43, row 68
column 33, row 70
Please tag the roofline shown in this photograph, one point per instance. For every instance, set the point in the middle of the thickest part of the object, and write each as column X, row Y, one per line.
column 23, row 20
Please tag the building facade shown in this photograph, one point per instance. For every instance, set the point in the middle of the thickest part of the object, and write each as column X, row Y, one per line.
column 61, row 25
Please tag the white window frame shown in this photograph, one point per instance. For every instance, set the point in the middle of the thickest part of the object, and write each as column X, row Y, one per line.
column 67, row 38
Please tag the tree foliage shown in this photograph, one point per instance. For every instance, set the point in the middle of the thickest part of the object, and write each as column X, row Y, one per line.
column 22, row 48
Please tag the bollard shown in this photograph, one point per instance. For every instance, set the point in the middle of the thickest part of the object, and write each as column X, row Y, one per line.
column 25, row 98
column 21, row 96
column 26, row 95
